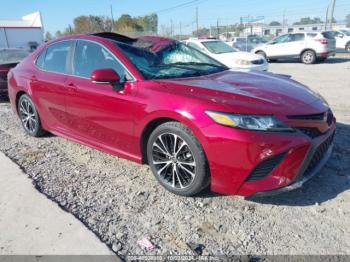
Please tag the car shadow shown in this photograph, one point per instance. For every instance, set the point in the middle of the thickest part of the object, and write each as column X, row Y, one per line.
column 4, row 99
column 331, row 60
column 337, row 60
column 333, row 179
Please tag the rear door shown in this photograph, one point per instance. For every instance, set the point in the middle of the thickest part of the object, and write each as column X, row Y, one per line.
column 295, row 44
column 98, row 115
column 48, row 84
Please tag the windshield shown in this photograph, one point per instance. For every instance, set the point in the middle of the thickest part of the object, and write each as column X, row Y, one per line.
column 346, row 32
column 8, row 56
column 218, row 47
column 175, row 61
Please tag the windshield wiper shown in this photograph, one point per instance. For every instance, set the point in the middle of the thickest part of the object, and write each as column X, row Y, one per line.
column 195, row 64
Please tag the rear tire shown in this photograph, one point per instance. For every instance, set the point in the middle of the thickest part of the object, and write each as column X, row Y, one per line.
column 29, row 117
column 308, row 57
column 177, row 159
column 347, row 47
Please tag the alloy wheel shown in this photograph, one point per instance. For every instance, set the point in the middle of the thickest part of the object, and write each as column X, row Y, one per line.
column 308, row 57
column 174, row 161
column 28, row 116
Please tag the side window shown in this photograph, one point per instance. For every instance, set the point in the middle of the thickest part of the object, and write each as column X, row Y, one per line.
column 40, row 60
column 297, row 37
column 57, row 56
column 195, row 46
column 90, row 56
column 282, row 39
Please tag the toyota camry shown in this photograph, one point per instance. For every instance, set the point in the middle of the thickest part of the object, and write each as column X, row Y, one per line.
column 156, row 101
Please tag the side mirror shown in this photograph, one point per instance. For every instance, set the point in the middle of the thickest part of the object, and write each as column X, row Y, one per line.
column 107, row 76
column 341, row 36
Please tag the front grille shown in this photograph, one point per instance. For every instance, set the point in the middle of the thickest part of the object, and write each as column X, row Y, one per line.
column 319, row 154
column 258, row 62
column 311, row 132
column 265, row 167
column 308, row 117
column 330, row 118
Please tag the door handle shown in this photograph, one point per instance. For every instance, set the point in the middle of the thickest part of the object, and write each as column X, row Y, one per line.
column 71, row 87
column 33, row 79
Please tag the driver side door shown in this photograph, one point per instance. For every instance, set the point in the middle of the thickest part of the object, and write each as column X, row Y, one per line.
column 99, row 116
column 277, row 47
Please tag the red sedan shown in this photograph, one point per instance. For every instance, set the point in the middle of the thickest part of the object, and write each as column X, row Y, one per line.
column 157, row 101
column 9, row 58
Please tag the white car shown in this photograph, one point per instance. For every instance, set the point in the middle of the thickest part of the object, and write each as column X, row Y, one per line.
column 228, row 55
column 308, row 47
column 343, row 39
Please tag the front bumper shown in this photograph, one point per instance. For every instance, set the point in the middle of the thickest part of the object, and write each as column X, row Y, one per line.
column 300, row 181
column 3, row 87
column 235, row 155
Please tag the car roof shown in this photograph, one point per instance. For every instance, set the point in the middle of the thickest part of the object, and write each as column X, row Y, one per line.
column 152, row 43
column 203, row 40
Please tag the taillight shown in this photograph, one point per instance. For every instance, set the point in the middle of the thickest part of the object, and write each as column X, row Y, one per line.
column 322, row 41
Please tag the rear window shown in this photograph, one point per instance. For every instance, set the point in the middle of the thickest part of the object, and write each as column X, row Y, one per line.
column 311, row 35
column 8, row 56
column 328, row 35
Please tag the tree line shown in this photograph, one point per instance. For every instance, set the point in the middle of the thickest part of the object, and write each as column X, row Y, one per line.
column 124, row 24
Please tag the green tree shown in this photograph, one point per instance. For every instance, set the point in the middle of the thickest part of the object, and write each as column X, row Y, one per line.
column 308, row 21
column 48, row 36
column 275, row 23
column 91, row 24
column 126, row 23
column 202, row 32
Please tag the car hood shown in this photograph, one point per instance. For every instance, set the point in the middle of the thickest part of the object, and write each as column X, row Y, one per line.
column 238, row 55
column 251, row 92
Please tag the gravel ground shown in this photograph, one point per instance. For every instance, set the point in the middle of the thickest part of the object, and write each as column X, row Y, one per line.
column 121, row 202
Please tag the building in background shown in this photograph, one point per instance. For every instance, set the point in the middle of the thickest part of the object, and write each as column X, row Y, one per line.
column 267, row 31
column 26, row 33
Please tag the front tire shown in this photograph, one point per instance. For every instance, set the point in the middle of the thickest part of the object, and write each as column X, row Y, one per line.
column 177, row 159
column 29, row 117
column 308, row 57
column 262, row 53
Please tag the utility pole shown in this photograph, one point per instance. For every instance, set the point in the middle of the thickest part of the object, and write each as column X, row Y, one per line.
column 332, row 14
column 171, row 27
column 197, row 22
column 217, row 28
column 180, row 29
column 326, row 24
column 284, row 20
column 112, row 18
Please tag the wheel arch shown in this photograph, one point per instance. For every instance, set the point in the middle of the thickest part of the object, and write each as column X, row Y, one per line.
column 154, row 122
column 18, row 96
column 307, row 49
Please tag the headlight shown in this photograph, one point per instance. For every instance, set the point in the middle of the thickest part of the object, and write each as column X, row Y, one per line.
column 242, row 62
column 250, row 122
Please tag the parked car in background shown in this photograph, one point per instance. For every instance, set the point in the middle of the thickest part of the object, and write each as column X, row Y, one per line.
column 195, row 122
column 228, row 55
column 9, row 58
column 246, row 43
column 307, row 47
column 343, row 40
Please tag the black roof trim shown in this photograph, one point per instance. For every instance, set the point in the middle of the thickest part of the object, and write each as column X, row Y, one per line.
column 115, row 37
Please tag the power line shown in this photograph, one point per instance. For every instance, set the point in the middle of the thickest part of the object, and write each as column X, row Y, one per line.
column 176, row 6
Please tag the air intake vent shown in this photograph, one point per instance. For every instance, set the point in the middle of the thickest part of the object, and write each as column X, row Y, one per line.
column 308, row 117
column 264, row 168
column 310, row 132
column 320, row 152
